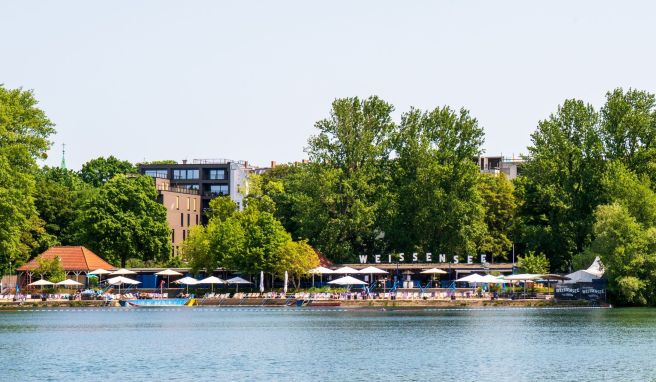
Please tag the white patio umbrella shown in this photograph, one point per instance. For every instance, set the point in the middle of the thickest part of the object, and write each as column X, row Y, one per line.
column 99, row 272
column 187, row 281
column 284, row 288
column 347, row 280
column 473, row 278
column 123, row 272
column 168, row 273
column 237, row 281
column 69, row 282
column 433, row 272
column 261, row 281
column 320, row 271
column 120, row 280
column 522, row 277
column 212, row 280
column 41, row 283
column 493, row 280
column 371, row 271
column 345, row 271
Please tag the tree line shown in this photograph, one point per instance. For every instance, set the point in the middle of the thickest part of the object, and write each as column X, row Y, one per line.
column 372, row 185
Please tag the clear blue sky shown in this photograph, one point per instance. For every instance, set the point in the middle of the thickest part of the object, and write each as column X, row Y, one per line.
column 247, row 80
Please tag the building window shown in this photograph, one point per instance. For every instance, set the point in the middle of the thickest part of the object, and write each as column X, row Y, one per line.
column 188, row 219
column 177, row 202
column 194, row 204
column 184, row 235
column 185, row 174
column 181, row 220
column 188, row 186
column 188, row 204
column 173, row 236
column 157, row 173
column 196, row 219
column 215, row 174
column 219, row 189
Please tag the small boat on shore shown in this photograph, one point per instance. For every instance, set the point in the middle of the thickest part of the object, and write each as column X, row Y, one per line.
column 158, row 303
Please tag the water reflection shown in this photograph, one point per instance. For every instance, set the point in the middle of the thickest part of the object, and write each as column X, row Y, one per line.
column 276, row 344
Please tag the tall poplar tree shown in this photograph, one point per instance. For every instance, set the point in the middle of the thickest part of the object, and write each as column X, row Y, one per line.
column 561, row 184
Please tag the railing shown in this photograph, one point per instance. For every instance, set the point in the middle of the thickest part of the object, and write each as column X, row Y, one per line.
column 180, row 190
column 215, row 194
column 217, row 161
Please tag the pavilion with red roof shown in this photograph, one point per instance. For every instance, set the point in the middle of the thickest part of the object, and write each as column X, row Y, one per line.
column 75, row 260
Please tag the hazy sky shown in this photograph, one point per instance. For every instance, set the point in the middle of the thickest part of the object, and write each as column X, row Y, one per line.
column 247, row 80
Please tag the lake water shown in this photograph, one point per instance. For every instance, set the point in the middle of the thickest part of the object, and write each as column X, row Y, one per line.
column 290, row 344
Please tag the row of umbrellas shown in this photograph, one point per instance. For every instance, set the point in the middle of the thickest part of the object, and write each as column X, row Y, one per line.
column 365, row 271
column 476, row 278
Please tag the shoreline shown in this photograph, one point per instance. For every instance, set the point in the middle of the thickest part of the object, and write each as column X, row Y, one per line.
column 343, row 304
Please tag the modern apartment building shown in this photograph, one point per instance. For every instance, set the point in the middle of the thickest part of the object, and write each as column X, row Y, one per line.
column 209, row 178
column 183, row 210
column 511, row 167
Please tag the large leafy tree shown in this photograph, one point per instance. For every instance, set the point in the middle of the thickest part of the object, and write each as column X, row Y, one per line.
column 348, row 177
column 57, row 197
column 628, row 129
column 296, row 258
column 498, row 199
column 97, row 172
column 435, row 204
column 24, row 132
column 628, row 251
column 122, row 219
column 561, row 184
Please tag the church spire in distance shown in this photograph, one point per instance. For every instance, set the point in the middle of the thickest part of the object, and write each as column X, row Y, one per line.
column 63, row 162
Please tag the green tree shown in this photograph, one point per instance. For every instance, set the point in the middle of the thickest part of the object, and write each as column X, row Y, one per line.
column 627, row 251
column 532, row 263
column 632, row 191
column 24, row 132
column 497, row 196
column 628, row 129
column 264, row 236
column 561, row 184
column 97, row 172
column 434, row 204
column 122, row 219
column 50, row 270
column 348, row 174
column 56, row 196
column 296, row 258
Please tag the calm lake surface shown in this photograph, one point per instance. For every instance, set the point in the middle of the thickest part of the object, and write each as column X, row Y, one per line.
column 227, row 344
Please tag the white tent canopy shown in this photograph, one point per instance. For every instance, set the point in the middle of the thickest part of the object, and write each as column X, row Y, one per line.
column 69, row 282
column 321, row 271
column 434, row 271
column 168, row 272
column 594, row 271
column 347, row 280
column 582, row 276
column 41, row 282
column 372, row 271
column 596, row 268
column 122, row 272
column 345, row 271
